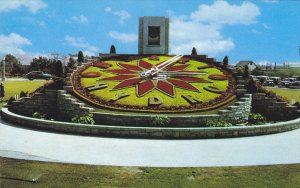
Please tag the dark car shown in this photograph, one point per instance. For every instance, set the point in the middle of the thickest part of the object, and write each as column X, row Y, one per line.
column 38, row 75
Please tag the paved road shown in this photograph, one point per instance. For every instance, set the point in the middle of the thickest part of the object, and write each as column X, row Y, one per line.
column 283, row 148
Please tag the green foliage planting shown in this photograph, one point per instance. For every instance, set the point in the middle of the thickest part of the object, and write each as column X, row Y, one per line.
column 38, row 115
column 86, row 119
column 160, row 120
column 215, row 123
column 80, row 58
column 112, row 49
column 256, row 119
column 194, row 51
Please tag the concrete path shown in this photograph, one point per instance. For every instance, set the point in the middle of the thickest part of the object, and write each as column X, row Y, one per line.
column 283, row 148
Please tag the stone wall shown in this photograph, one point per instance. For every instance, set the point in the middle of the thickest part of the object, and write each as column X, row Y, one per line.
column 44, row 103
column 63, row 106
column 56, row 104
column 273, row 109
column 149, row 132
column 237, row 113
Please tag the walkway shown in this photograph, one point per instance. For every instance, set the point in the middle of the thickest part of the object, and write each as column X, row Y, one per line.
column 283, row 148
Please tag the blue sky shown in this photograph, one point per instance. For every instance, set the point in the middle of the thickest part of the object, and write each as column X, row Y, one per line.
column 261, row 30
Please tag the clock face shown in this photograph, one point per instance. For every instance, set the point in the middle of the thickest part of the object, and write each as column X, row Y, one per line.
column 156, row 83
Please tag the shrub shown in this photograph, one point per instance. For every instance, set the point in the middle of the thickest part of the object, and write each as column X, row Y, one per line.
column 10, row 100
column 38, row 115
column 23, row 94
column 256, row 118
column 215, row 123
column 86, row 119
column 160, row 120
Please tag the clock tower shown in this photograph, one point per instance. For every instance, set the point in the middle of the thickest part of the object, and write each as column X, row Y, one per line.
column 153, row 35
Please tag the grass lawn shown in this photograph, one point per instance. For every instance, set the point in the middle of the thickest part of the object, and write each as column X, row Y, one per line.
column 288, row 93
column 18, row 173
column 13, row 87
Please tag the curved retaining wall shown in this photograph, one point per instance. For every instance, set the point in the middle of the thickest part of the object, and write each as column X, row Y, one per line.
column 149, row 132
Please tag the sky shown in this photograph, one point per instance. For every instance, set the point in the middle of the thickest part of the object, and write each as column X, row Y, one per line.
column 261, row 30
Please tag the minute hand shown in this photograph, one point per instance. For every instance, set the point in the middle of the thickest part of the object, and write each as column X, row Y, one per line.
column 180, row 73
column 166, row 64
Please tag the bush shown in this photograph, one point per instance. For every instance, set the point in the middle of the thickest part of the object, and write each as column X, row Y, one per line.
column 38, row 115
column 10, row 100
column 256, row 119
column 215, row 123
column 160, row 120
column 86, row 119
column 23, row 94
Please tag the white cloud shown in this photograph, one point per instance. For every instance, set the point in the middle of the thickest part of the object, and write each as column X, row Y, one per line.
column 12, row 44
column 122, row 14
column 81, row 44
column 41, row 24
column 264, row 62
column 107, row 9
column 32, row 5
column 123, row 37
column 202, row 28
column 80, row 19
column 266, row 26
column 270, row 1
column 222, row 13
column 255, row 31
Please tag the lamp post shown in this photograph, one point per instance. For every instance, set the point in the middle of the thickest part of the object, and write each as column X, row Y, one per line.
column 3, row 68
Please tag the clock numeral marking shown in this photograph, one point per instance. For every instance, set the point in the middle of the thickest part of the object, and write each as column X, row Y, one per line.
column 191, row 99
column 96, row 87
column 119, row 95
column 155, row 101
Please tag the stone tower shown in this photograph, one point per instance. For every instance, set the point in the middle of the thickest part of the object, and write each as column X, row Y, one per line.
column 153, row 35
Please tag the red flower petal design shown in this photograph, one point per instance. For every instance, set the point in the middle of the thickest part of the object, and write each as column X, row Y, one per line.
column 90, row 74
column 144, row 87
column 121, row 71
column 127, row 83
column 166, row 88
column 191, row 79
column 214, row 89
column 102, row 65
column 130, row 67
column 145, row 64
column 217, row 77
column 178, row 68
column 182, row 84
column 120, row 77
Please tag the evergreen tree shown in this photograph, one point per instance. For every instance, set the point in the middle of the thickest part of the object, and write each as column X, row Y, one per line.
column 112, row 49
column 246, row 72
column 80, row 58
column 71, row 63
column 58, row 69
column 194, row 51
column 225, row 61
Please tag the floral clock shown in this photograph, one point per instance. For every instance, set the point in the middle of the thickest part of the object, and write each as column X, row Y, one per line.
column 156, row 83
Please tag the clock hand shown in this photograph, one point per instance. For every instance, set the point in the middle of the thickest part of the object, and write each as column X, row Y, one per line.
column 166, row 64
column 180, row 73
column 155, row 69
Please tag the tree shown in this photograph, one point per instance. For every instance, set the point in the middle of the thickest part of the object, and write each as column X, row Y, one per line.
column 80, row 58
column 246, row 72
column 225, row 61
column 194, row 51
column 14, row 63
column 58, row 69
column 112, row 49
column 71, row 63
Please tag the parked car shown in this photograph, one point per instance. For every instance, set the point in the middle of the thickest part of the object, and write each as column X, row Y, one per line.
column 38, row 75
column 269, row 83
